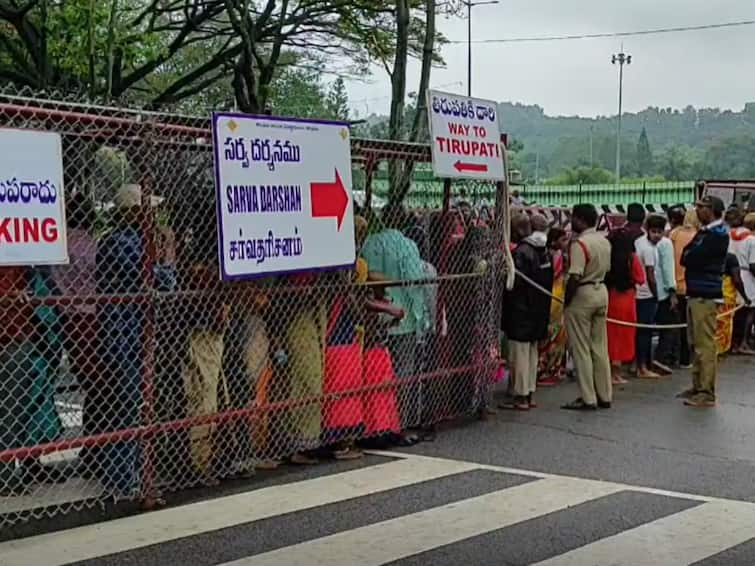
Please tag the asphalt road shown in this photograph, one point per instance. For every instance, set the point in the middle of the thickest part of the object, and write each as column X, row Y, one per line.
column 647, row 482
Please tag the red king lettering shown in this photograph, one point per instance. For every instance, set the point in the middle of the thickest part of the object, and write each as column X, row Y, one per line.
column 28, row 230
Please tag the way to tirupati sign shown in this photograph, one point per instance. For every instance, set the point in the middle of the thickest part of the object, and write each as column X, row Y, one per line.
column 283, row 194
column 465, row 137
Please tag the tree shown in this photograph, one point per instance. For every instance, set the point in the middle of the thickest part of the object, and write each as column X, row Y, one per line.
column 338, row 101
column 731, row 158
column 319, row 33
column 675, row 164
column 163, row 52
column 401, row 174
column 582, row 176
column 299, row 92
column 644, row 155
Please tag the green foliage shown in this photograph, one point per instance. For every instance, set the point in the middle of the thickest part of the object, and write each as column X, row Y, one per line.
column 376, row 127
column 687, row 144
column 644, row 154
column 646, row 179
column 338, row 100
column 206, row 51
column 299, row 92
column 731, row 158
column 582, row 175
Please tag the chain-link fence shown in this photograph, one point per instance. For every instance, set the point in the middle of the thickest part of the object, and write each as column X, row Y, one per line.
column 133, row 371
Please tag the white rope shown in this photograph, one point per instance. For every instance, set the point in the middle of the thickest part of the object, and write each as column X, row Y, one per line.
column 623, row 322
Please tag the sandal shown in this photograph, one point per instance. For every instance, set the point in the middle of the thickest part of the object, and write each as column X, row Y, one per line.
column 300, row 459
column 268, row 465
column 648, row 375
column 661, row 369
column 579, row 405
column 519, row 404
column 347, row 454
column 408, row 440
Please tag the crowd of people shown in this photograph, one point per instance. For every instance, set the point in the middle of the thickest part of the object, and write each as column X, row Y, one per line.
column 139, row 322
column 373, row 356
column 686, row 278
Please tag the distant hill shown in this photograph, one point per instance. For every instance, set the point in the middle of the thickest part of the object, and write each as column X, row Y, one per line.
column 684, row 143
column 681, row 145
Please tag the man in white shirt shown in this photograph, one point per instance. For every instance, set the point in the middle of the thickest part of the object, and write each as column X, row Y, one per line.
column 647, row 294
column 742, row 245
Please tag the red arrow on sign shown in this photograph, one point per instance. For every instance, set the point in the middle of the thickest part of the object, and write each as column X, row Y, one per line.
column 329, row 200
column 474, row 167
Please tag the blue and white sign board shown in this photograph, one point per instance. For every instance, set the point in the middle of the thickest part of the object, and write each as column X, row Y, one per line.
column 283, row 193
column 32, row 201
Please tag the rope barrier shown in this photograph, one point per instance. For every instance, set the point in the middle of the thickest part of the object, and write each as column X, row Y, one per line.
column 624, row 322
column 426, row 281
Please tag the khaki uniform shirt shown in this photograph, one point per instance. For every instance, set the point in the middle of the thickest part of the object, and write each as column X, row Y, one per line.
column 593, row 267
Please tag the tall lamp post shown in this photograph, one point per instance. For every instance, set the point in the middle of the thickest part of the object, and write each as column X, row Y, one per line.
column 471, row 4
column 620, row 59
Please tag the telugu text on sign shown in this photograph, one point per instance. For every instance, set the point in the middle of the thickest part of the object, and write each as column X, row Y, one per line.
column 466, row 139
column 283, row 195
column 32, row 203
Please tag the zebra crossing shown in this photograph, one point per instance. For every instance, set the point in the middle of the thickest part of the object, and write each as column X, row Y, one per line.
column 409, row 509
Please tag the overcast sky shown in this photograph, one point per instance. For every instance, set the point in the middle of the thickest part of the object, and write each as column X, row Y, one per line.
column 713, row 68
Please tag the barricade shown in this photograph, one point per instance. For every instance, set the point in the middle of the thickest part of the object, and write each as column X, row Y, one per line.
column 134, row 372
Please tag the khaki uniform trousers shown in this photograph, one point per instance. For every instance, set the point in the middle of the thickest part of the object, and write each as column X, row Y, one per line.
column 588, row 340
column 701, row 333
column 523, row 357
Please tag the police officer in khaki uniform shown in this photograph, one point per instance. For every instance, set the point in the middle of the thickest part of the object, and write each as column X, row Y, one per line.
column 586, row 308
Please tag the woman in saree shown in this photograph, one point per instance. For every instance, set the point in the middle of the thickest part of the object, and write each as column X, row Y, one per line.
column 626, row 273
column 553, row 349
column 731, row 285
column 304, row 343
column 379, row 404
column 343, row 419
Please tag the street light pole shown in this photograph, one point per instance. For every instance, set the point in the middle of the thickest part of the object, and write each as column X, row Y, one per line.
column 622, row 59
column 470, row 4
column 469, row 49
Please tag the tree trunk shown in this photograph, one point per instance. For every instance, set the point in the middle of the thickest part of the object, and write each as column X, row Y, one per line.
column 419, row 123
column 44, row 55
column 428, row 49
column 91, row 79
column 110, row 48
column 244, row 85
column 398, row 77
column 398, row 93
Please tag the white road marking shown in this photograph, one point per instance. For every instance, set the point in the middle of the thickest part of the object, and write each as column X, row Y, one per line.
column 398, row 538
column 71, row 492
column 542, row 475
column 675, row 540
column 121, row 535
column 678, row 539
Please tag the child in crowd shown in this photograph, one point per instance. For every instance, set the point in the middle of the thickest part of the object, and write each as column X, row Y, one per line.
column 647, row 293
